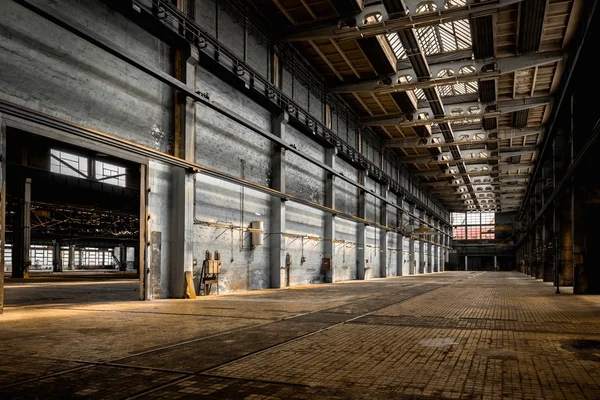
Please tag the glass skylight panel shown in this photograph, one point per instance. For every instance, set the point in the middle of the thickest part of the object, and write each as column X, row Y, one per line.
column 394, row 42
column 454, row 3
column 396, row 46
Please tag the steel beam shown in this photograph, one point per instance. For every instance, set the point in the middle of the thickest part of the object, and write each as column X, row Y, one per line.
column 502, row 66
column 396, row 24
column 412, row 119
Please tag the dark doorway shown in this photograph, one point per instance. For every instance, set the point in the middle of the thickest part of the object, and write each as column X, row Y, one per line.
column 72, row 223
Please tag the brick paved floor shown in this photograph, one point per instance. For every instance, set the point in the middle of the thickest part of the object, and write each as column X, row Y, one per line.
column 493, row 335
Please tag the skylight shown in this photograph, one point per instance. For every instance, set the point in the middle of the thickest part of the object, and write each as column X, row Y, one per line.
column 445, row 37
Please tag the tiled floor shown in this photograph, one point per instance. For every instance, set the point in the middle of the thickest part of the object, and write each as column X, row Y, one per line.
column 450, row 335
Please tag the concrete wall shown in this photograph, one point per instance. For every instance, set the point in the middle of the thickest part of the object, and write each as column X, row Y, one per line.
column 48, row 69
column 52, row 71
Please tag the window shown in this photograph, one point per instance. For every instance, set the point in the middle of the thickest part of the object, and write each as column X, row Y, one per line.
column 276, row 80
column 473, row 219
column 457, row 218
column 473, row 232
column 111, row 174
column 41, row 257
column 488, row 231
column 473, row 225
column 328, row 119
column 68, row 164
column 488, row 218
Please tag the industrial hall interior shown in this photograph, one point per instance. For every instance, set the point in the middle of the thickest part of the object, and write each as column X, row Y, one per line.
column 299, row 199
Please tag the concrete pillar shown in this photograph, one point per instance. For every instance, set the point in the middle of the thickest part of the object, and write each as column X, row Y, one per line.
column 362, row 228
column 466, row 263
column 330, row 158
column 436, row 248
column 400, row 239
column 565, row 240
column 495, row 263
column 277, row 240
column 22, row 234
column 2, row 207
column 71, row 265
column 578, row 231
column 422, row 261
column 123, row 257
column 383, row 245
column 411, row 241
column 429, row 266
column 56, row 256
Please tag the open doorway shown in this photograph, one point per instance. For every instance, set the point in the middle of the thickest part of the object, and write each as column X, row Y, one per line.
column 72, row 223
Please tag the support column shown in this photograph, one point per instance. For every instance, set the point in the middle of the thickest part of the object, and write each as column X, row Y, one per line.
column 411, row 241
column 71, row 265
column 495, row 263
column 2, row 208
column 277, row 240
column 362, row 228
column 123, row 257
column 436, row 248
column 22, row 234
column 383, row 245
column 429, row 266
column 399, row 239
column 565, row 240
column 421, row 266
column 56, row 257
column 578, row 231
column 330, row 158
column 466, row 263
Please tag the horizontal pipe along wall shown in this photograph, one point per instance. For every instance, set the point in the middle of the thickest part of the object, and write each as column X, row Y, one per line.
column 113, row 97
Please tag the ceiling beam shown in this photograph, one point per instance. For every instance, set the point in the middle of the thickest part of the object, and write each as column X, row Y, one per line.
column 412, row 119
column 502, row 134
column 387, row 25
column 440, row 177
column 502, row 66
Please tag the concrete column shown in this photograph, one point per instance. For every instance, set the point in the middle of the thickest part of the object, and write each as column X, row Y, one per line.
column 56, row 257
column 411, row 241
column 422, row 261
column 190, row 106
column 123, row 257
column 578, row 231
column 429, row 266
column 80, row 258
column 400, row 239
column 495, row 262
column 565, row 240
column 539, row 272
column 466, row 263
column 71, row 264
column 2, row 207
column 22, row 234
column 362, row 228
column 436, row 248
column 277, row 240
column 330, row 158
column 383, row 245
